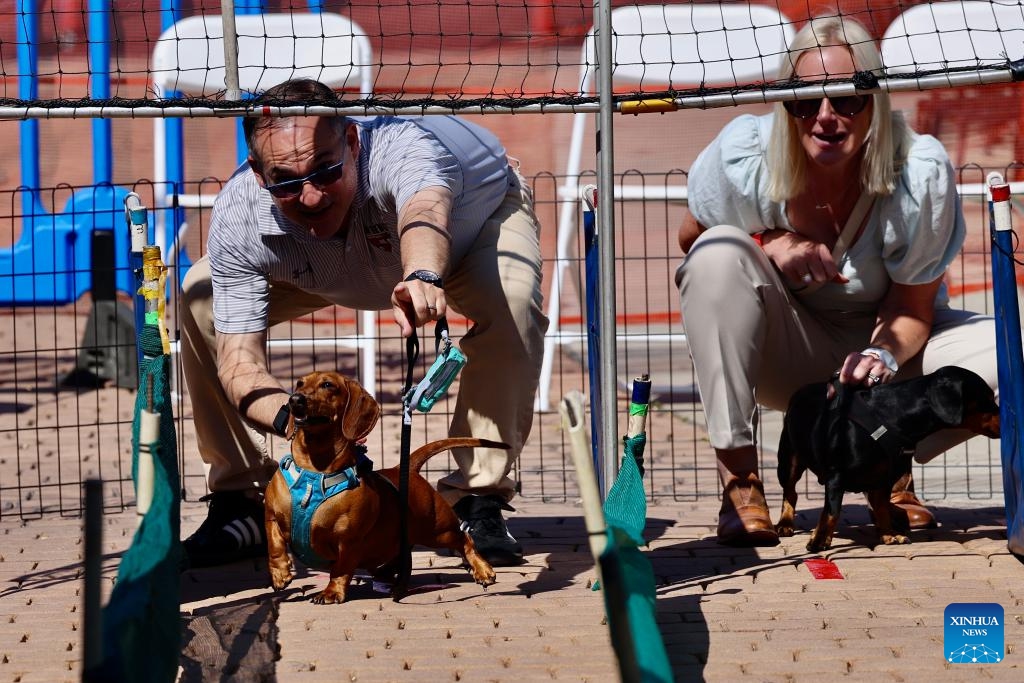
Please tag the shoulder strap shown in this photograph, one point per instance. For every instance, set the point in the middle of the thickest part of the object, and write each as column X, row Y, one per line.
column 860, row 210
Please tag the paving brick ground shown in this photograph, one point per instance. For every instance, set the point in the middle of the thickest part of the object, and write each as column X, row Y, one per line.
column 725, row 614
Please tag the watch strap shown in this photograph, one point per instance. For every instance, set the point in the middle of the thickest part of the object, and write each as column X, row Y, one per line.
column 428, row 276
column 281, row 420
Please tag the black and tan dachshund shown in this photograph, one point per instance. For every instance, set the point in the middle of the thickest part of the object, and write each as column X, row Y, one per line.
column 862, row 440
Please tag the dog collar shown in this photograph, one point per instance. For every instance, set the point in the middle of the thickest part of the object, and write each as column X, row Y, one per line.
column 308, row 491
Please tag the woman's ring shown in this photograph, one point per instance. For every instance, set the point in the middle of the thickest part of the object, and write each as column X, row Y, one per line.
column 874, row 379
column 806, row 278
column 432, row 308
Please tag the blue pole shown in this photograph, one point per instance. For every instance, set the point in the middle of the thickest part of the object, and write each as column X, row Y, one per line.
column 1010, row 358
column 27, row 41
column 170, row 12
column 174, row 153
column 593, row 303
column 99, row 81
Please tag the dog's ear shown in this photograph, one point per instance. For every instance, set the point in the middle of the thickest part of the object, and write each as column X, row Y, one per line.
column 946, row 397
column 361, row 412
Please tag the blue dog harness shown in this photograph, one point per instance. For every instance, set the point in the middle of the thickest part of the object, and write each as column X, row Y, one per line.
column 309, row 490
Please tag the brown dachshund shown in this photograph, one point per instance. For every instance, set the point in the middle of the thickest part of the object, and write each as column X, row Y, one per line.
column 333, row 511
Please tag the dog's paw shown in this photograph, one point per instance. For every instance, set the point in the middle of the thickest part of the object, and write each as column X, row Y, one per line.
column 328, row 597
column 894, row 539
column 785, row 530
column 816, row 545
column 280, row 577
column 485, row 578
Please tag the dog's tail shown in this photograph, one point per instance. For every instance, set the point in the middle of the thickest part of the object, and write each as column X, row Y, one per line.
column 427, row 451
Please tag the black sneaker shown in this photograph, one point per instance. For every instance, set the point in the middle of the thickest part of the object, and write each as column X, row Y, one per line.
column 233, row 530
column 481, row 518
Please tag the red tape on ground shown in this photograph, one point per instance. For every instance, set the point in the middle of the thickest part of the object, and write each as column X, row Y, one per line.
column 821, row 568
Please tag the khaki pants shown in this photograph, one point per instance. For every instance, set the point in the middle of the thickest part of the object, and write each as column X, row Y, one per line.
column 497, row 286
column 753, row 342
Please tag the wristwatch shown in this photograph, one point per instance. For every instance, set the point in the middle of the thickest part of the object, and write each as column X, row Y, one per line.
column 884, row 356
column 428, row 276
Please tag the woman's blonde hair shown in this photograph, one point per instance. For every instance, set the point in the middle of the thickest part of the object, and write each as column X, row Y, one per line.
column 888, row 135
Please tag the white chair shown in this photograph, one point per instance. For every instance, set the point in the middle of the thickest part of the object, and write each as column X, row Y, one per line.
column 272, row 48
column 656, row 48
column 949, row 35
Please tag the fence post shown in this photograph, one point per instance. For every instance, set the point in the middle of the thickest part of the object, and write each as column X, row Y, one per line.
column 1010, row 358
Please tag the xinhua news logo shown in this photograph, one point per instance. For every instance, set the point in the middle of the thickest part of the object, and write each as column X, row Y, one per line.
column 973, row 633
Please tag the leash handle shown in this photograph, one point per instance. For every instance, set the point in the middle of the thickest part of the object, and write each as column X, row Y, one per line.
column 441, row 336
column 442, row 373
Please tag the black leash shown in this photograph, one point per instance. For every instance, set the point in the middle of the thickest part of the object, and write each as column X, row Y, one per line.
column 420, row 397
column 404, row 568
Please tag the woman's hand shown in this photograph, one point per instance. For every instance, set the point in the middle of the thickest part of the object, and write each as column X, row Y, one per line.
column 904, row 322
column 865, row 368
column 802, row 261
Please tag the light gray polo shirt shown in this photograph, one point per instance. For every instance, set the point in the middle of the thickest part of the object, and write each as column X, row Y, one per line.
column 251, row 244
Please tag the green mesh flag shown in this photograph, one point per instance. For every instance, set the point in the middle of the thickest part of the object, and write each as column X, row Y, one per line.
column 141, row 622
column 626, row 576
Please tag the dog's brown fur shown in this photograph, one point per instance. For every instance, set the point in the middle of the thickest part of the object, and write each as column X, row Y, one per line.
column 359, row 528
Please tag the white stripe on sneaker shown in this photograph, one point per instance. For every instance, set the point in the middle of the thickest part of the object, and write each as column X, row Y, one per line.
column 230, row 528
column 254, row 529
column 245, row 532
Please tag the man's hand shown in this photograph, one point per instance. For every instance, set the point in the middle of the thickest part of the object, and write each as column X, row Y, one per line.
column 415, row 303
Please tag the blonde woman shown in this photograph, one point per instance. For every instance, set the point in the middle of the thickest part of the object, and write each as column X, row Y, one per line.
column 770, row 303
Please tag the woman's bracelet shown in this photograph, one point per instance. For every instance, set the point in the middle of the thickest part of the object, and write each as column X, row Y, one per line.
column 884, row 356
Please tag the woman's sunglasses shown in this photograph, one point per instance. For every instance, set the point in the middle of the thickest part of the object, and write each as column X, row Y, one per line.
column 850, row 105
column 290, row 189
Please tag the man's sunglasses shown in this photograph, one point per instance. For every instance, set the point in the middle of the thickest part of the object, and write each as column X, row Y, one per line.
column 322, row 178
column 850, row 105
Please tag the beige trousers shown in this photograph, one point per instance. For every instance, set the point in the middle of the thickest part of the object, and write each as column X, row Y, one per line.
column 497, row 286
column 753, row 342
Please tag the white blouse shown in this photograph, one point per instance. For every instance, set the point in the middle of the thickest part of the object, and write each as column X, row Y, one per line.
column 911, row 236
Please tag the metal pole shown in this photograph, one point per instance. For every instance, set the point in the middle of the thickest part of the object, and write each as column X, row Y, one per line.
column 227, row 11
column 92, row 594
column 606, row 245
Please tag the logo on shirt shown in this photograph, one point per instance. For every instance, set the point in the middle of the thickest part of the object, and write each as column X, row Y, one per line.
column 299, row 272
column 378, row 236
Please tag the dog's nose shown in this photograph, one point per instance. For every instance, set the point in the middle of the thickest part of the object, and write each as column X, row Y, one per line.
column 297, row 404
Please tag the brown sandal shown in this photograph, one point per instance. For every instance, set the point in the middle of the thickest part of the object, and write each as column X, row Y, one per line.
column 744, row 519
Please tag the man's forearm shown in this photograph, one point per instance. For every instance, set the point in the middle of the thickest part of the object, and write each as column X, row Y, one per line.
column 256, row 393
